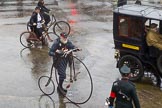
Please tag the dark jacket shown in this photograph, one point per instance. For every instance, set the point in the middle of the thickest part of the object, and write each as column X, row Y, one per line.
column 121, row 2
column 33, row 18
column 125, row 93
column 138, row 2
column 57, row 45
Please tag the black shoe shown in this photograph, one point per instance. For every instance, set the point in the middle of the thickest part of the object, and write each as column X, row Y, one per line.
column 29, row 42
column 61, row 90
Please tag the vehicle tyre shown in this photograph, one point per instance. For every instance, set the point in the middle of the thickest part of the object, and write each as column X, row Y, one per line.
column 26, row 40
column 135, row 65
column 61, row 26
column 46, row 85
column 159, row 64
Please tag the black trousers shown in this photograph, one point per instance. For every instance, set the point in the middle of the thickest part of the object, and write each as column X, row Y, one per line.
column 38, row 32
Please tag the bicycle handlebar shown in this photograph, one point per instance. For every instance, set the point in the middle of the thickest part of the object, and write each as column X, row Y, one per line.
column 66, row 53
column 51, row 14
column 70, row 51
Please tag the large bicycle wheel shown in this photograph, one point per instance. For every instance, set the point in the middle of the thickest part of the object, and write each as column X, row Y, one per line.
column 80, row 87
column 61, row 26
column 46, row 85
column 27, row 38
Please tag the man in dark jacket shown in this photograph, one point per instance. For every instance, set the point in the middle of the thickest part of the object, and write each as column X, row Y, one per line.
column 123, row 91
column 121, row 3
column 44, row 10
column 138, row 2
column 36, row 21
column 61, row 45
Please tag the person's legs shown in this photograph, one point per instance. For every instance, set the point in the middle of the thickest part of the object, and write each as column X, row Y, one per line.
column 62, row 74
column 39, row 33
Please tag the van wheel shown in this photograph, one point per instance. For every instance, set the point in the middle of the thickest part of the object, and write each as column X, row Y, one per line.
column 135, row 65
column 159, row 63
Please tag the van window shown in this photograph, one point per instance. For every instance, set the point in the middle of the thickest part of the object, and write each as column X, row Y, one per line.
column 130, row 27
column 123, row 27
column 149, row 22
column 136, row 28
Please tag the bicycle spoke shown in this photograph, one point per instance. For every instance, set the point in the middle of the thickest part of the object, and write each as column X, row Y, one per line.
column 60, row 27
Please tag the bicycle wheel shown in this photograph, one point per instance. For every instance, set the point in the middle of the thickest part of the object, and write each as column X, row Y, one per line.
column 80, row 87
column 61, row 26
column 46, row 85
column 27, row 38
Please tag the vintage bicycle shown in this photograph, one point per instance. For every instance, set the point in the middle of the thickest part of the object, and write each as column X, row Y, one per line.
column 58, row 26
column 78, row 80
column 28, row 38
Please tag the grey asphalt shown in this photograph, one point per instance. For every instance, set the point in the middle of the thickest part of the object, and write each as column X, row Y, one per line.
column 21, row 68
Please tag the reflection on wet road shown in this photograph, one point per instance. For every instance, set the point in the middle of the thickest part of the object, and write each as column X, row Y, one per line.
column 21, row 68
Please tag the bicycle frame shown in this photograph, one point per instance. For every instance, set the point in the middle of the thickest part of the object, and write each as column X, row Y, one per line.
column 73, row 76
column 53, row 21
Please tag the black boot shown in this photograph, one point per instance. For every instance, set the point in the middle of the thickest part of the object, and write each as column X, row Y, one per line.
column 60, row 88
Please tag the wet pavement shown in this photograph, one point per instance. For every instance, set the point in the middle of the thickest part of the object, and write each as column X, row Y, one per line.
column 21, row 68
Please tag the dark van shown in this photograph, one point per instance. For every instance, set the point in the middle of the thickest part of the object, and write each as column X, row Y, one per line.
column 130, row 26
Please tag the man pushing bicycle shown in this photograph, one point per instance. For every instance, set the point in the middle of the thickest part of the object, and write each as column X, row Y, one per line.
column 58, row 51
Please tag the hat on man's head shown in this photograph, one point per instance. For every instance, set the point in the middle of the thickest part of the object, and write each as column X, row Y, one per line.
column 64, row 35
column 153, row 25
column 125, row 69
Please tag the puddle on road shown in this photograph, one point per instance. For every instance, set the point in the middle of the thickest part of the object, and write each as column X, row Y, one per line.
column 37, row 59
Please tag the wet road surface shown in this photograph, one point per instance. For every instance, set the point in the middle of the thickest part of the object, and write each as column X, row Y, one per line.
column 21, row 68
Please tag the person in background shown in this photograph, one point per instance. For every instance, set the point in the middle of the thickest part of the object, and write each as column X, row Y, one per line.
column 44, row 11
column 121, row 3
column 138, row 2
column 36, row 21
column 123, row 91
column 153, row 38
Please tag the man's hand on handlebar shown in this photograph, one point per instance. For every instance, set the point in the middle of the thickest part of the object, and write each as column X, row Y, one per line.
column 59, row 52
column 67, row 52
